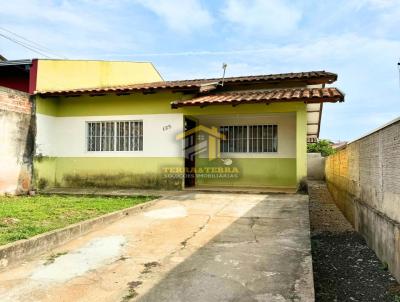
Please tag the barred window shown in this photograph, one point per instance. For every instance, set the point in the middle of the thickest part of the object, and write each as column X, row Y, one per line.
column 263, row 138
column 235, row 138
column 254, row 138
column 115, row 136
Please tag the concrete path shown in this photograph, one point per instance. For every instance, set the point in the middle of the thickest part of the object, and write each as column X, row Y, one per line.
column 189, row 247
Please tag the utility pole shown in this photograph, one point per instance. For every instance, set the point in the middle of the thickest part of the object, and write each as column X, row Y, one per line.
column 398, row 66
column 224, row 65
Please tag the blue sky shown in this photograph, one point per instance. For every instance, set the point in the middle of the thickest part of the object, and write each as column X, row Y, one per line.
column 358, row 39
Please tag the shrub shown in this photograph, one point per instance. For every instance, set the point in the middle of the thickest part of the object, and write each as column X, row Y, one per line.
column 322, row 146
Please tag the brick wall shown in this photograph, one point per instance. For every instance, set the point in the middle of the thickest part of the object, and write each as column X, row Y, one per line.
column 364, row 180
column 15, row 101
column 16, row 141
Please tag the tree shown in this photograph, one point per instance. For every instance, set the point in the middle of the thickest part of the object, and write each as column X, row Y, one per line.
column 322, row 146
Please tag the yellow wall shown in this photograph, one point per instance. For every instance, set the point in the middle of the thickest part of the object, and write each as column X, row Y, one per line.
column 73, row 74
column 301, row 144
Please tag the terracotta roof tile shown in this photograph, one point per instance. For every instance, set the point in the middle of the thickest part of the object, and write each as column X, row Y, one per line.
column 199, row 84
column 309, row 95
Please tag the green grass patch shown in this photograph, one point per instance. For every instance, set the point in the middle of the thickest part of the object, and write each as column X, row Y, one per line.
column 22, row 217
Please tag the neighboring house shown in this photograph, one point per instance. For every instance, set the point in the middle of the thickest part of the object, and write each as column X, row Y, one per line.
column 47, row 74
column 130, row 134
column 339, row 145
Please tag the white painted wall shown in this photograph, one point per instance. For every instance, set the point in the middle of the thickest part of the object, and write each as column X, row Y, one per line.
column 286, row 131
column 66, row 136
column 45, row 140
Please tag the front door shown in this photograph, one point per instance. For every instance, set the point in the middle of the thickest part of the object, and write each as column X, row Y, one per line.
column 190, row 154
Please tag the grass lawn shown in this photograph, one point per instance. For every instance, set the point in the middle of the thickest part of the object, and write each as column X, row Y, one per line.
column 22, row 217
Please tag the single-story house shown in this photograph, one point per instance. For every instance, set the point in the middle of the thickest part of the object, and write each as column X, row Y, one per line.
column 248, row 131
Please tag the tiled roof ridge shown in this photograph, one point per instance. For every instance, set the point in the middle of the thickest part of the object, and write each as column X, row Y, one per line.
column 199, row 82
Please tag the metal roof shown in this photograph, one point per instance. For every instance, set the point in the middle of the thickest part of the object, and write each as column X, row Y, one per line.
column 15, row 62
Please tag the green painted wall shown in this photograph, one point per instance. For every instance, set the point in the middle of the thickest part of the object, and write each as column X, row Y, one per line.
column 44, row 172
column 254, row 172
column 245, row 109
column 301, row 144
column 139, row 172
column 285, row 172
column 47, row 106
column 148, row 104
column 136, row 103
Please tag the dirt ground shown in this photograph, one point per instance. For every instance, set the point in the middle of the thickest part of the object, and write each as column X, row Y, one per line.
column 345, row 268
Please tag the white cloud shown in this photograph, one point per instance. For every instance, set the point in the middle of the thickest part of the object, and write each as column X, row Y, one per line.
column 64, row 12
column 181, row 16
column 385, row 20
column 380, row 4
column 75, row 29
column 388, row 23
column 273, row 17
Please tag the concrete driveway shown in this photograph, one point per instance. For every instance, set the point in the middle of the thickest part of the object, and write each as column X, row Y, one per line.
column 189, row 247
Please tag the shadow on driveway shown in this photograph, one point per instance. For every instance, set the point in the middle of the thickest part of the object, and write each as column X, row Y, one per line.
column 263, row 255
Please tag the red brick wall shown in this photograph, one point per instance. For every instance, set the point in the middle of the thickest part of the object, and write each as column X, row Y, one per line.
column 15, row 101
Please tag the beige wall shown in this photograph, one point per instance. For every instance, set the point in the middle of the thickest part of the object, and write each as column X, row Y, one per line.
column 364, row 179
column 286, row 131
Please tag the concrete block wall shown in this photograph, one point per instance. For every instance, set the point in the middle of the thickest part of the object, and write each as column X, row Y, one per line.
column 315, row 166
column 16, row 141
column 364, row 180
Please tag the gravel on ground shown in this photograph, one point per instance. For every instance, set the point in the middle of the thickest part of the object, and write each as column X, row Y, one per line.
column 345, row 268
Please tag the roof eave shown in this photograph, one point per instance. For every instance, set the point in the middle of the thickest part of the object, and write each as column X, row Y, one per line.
column 308, row 81
column 197, row 85
column 15, row 62
column 193, row 89
column 177, row 104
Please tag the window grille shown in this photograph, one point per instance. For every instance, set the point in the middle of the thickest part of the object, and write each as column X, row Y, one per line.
column 253, row 138
column 235, row 138
column 263, row 138
column 115, row 136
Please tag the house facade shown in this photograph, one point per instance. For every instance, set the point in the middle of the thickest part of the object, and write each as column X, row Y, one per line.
column 148, row 135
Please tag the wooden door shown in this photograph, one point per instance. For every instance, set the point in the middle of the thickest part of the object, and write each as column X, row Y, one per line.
column 190, row 156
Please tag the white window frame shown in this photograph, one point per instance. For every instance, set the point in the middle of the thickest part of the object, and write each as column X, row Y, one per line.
column 248, row 126
column 115, row 136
